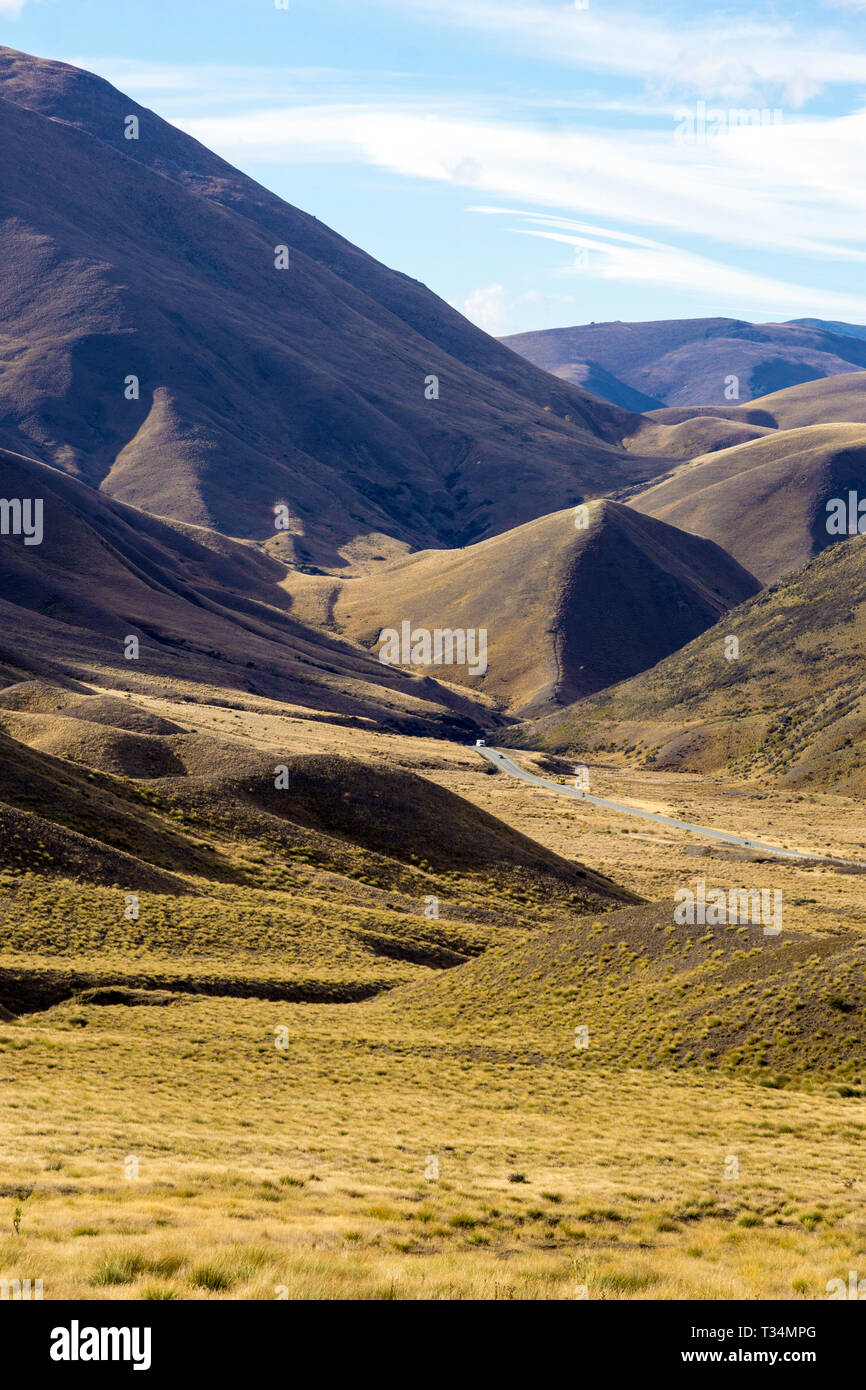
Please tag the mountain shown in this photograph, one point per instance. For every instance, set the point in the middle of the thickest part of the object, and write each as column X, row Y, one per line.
column 849, row 330
column 684, row 362
column 791, row 704
column 836, row 399
column 258, row 386
column 208, row 612
column 765, row 501
column 566, row 611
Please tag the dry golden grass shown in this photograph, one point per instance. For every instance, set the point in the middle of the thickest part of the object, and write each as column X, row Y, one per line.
column 298, row 1163
column 261, row 1170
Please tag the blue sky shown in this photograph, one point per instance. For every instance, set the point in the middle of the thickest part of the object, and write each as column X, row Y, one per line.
column 536, row 162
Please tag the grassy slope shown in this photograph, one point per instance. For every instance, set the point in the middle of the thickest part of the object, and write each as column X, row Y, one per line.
column 285, row 1147
column 555, row 601
column 316, row 890
column 765, row 500
column 793, row 704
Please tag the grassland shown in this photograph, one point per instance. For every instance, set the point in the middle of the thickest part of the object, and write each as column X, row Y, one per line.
column 181, row 1118
column 258, row 1169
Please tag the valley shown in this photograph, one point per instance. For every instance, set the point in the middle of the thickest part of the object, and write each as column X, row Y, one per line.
column 256, row 1096
column 315, row 599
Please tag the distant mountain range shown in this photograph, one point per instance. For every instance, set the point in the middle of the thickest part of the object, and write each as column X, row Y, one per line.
column 690, row 362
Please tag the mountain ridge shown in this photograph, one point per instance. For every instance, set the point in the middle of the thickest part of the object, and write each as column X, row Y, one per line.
column 313, row 383
column 692, row 362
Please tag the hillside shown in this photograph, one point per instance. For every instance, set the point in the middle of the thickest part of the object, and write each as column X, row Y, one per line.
column 327, row 876
column 836, row 400
column 566, row 611
column 792, row 704
column 650, row 993
column 765, row 500
column 687, row 362
column 208, row 613
column 308, row 382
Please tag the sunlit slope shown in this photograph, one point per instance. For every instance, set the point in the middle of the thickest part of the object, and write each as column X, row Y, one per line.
column 765, row 501
column 792, row 703
column 566, row 610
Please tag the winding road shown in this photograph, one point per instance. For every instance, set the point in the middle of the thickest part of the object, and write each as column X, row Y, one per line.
column 504, row 764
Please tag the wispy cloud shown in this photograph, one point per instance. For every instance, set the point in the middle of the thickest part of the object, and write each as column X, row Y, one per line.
column 595, row 147
column 609, row 254
column 215, row 86
column 795, row 188
column 726, row 55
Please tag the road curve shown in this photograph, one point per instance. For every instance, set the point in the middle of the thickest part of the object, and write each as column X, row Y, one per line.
column 501, row 761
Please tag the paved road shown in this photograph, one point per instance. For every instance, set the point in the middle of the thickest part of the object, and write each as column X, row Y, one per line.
column 504, row 764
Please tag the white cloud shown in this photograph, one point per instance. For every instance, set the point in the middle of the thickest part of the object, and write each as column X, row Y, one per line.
column 12, row 8
column 796, row 187
column 487, row 308
column 609, row 255
column 747, row 54
column 211, row 86
column 490, row 307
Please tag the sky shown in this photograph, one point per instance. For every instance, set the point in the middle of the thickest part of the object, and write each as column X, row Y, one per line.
column 537, row 163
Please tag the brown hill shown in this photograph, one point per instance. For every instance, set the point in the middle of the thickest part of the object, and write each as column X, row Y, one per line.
column 566, row 611
column 765, row 501
column 792, row 703
column 179, row 832
column 836, row 400
column 207, row 612
column 651, row 993
column 152, row 258
column 687, row 362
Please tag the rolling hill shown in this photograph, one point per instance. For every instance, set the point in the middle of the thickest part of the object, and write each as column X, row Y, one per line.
column 833, row 400
column 651, row 994
column 765, row 501
column 208, row 613
column 305, row 372
column 566, row 610
column 792, row 704
column 314, row 889
column 687, row 362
